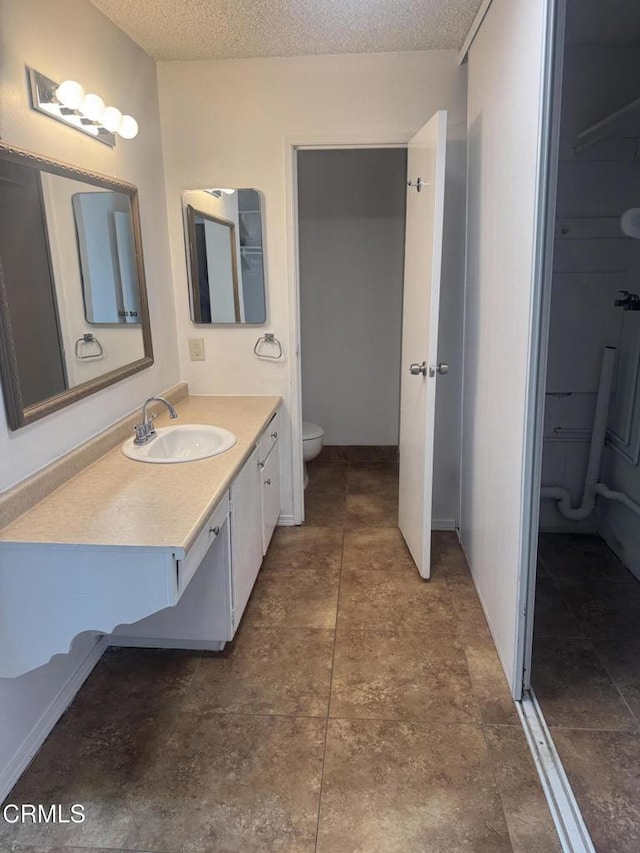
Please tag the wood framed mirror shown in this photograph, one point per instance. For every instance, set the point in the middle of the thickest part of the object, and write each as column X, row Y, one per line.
column 74, row 316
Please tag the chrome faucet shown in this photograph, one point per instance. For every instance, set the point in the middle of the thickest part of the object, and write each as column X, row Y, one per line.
column 146, row 431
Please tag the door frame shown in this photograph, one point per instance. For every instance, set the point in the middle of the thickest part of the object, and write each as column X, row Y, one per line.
column 539, row 336
column 293, row 144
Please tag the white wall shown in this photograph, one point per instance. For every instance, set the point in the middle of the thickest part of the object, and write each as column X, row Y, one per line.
column 593, row 261
column 351, row 210
column 225, row 123
column 71, row 39
column 505, row 76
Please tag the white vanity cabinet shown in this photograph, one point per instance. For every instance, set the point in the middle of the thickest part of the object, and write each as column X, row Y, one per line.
column 219, row 571
column 203, row 617
column 269, row 465
column 246, row 532
column 189, row 596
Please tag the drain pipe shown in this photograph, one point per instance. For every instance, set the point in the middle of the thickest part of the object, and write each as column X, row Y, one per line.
column 592, row 488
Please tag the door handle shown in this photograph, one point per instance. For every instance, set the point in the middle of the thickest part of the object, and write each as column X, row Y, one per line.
column 441, row 368
column 416, row 369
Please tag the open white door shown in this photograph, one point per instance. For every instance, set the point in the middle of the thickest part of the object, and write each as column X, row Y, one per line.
column 422, row 263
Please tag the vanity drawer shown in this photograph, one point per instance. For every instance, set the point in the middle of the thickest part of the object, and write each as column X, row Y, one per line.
column 269, row 437
column 195, row 555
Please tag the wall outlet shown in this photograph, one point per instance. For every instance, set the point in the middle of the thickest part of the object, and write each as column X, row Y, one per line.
column 196, row 348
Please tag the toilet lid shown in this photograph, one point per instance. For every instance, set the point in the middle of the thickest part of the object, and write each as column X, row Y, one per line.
column 310, row 431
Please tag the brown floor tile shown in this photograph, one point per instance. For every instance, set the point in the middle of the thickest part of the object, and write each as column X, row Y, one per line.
column 392, row 787
column 93, row 760
column 371, row 510
column 232, row 784
column 466, row 605
column 581, row 557
column 394, row 601
column 553, row 618
column 266, row 671
column 118, row 723
column 400, row 676
column 621, row 659
column 603, row 771
column 602, row 609
column 377, row 549
column 136, row 679
column 380, row 479
column 450, row 556
column 325, row 510
column 489, row 682
column 325, row 479
column 444, row 541
column 366, row 456
column 291, row 598
column 304, row 548
column 331, row 454
column 573, row 687
column 528, row 818
column 31, row 849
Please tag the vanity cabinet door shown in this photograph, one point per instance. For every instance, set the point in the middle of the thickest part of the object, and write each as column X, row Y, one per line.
column 202, row 617
column 270, row 494
column 246, row 534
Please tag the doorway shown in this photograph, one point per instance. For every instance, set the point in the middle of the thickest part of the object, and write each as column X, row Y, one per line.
column 585, row 636
column 351, row 227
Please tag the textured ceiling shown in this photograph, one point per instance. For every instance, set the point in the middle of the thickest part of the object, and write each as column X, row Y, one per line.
column 232, row 29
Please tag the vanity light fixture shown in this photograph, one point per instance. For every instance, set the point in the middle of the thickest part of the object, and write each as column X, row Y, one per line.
column 68, row 102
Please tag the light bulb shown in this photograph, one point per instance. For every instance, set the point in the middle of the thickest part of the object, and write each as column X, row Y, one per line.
column 128, row 127
column 93, row 107
column 111, row 119
column 70, row 94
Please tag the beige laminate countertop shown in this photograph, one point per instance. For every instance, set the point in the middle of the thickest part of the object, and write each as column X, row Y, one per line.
column 119, row 501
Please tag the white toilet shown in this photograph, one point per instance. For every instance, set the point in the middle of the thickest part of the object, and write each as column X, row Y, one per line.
column 312, row 441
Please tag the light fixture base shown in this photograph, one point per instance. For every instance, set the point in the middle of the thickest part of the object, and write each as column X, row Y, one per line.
column 44, row 100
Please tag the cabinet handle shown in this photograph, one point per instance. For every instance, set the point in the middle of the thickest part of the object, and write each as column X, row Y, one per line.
column 267, row 482
column 261, row 465
column 215, row 530
column 274, row 435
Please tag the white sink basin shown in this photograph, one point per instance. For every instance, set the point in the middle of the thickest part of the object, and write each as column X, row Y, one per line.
column 184, row 443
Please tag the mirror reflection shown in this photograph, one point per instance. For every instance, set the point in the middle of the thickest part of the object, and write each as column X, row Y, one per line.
column 72, row 301
column 107, row 257
column 223, row 235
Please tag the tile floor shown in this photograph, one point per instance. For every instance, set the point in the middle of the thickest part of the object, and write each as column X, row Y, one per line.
column 586, row 676
column 359, row 710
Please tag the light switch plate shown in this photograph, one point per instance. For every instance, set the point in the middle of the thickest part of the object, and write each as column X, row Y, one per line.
column 196, row 348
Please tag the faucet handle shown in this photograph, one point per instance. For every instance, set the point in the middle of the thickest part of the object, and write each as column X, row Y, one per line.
column 141, row 433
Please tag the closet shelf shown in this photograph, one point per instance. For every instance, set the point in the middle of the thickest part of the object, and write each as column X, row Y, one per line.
column 624, row 122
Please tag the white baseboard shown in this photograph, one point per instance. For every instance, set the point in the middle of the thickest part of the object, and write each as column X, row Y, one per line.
column 443, row 524
column 160, row 643
column 42, row 729
column 436, row 523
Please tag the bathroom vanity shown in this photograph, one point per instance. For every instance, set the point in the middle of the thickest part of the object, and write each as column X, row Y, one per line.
column 151, row 555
